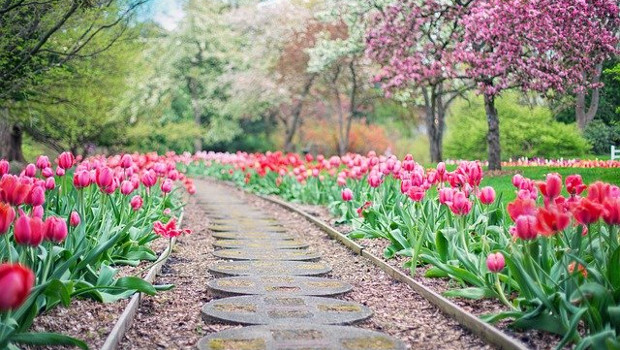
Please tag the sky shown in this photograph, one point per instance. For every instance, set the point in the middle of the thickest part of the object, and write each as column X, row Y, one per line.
column 167, row 13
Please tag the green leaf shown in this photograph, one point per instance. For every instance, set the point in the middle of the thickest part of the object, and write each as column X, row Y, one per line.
column 542, row 320
column 435, row 272
column 57, row 291
column 612, row 269
column 471, row 293
column 136, row 283
column 442, row 244
column 47, row 339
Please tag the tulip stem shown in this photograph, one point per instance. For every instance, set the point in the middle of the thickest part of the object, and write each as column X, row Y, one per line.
column 7, row 241
column 162, row 258
column 502, row 296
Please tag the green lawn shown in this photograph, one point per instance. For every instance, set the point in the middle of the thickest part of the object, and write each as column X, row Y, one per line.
column 503, row 183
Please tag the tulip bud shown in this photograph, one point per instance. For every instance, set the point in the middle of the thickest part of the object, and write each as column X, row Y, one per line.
column 36, row 196
column 60, row 171
column 28, row 231
column 126, row 161
column 517, row 180
column 347, row 195
column 149, row 179
column 81, row 179
column 55, row 229
column 127, row 187
column 526, row 227
column 37, row 212
column 166, row 186
column 5, row 166
column 487, row 195
column 7, row 215
column 30, row 170
column 65, row 160
column 74, row 219
column 167, row 211
column 136, row 202
column 16, row 281
column 47, row 172
column 50, row 183
column 43, row 162
column 104, row 177
column 495, row 262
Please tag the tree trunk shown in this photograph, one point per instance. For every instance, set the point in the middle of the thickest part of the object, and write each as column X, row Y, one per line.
column 291, row 129
column 494, row 148
column 10, row 139
column 435, row 121
column 193, row 91
column 582, row 116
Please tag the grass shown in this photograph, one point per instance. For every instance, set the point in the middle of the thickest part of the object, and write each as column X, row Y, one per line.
column 503, row 183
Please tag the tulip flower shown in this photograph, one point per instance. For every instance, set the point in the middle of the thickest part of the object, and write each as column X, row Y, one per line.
column 55, row 229
column 149, row 178
column 36, row 196
column 521, row 207
column 169, row 230
column 416, row 193
column 166, row 186
column 587, row 211
column 517, row 180
column 487, row 195
column 104, row 177
column 81, row 179
column 50, row 183
column 574, row 185
column 30, row 170
column 28, row 231
column 126, row 161
column 65, row 160
column 47, row 172
column 37, row 212
column 136, row 202
column 5, row 166
column 496, row 262
column 551, row 220
column 43, row 162
column 611, row 211
column 7, row 215
column 16, row 281
column 580, row 268
column 60, row 171
column 14, row 190
column 347, row 194
column 127, row 187
column 446, row 195
column 74, row 219
column 599, row 192
column 552, row 187
column 525, row 227
column 460, row 204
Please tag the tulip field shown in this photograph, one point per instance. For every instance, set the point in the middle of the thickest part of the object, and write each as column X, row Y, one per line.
column 67, row 228
column 545, row 246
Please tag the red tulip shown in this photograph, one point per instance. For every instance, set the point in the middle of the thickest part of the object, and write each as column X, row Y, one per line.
column 28, row 231
column 55, row 229
column 460, row 204
column 16, row 281
column 521, row 207
column 136, row 202
column 552, row 187
column 74, row 219
column 169, row 230
column 551, row 220
column 587, row 211
column 65, row 160
column 525, row 227
column 416, row 193
column 14, row 190
column 7, row 215
column 611, row 211
column 487, row 195
column 5, row 166
column 574, row 184
column 496, row 262
column 599, row 192
column 347, row 195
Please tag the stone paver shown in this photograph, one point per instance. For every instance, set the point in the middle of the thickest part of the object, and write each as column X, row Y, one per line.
column 253, row 235
column 299, row 337
column 268, row 267
column 265, row 254
column 266, row 309
column 279, row 285
column 260, row 244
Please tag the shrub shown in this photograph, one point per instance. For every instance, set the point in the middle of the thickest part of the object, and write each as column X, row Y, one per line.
column 525, row 131
column 602, row 136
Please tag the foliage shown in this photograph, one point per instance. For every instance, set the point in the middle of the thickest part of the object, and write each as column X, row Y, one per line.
column 602, row 136
column 526, row 131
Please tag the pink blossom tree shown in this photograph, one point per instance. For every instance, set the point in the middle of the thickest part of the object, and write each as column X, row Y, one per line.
column 539, row 45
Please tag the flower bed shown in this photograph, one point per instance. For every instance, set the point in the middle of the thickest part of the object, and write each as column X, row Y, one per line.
column 549, row 258
column 67, row 231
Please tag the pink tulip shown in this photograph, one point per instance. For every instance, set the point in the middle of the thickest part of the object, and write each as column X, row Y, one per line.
column 50, row 183
column 496, row 262
column 149, row 178
column 66, row 160
column 347, row 194
column 104, row 177
column 36, row 196
column 487, row 195
column 446, row 195
column 28, row 231
column 126, row 187
column 55, row 229
column 30, row 170
column 166, row 186
column 416, row 193
column 7, row 215
column 517, row 180
column 460, row 205
column 60, row 171
column 43, row 162
column 126, row 161
column 74, row 219
column 526, row 227
column 136, row 202
column 47, row 172
column 37, row 212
